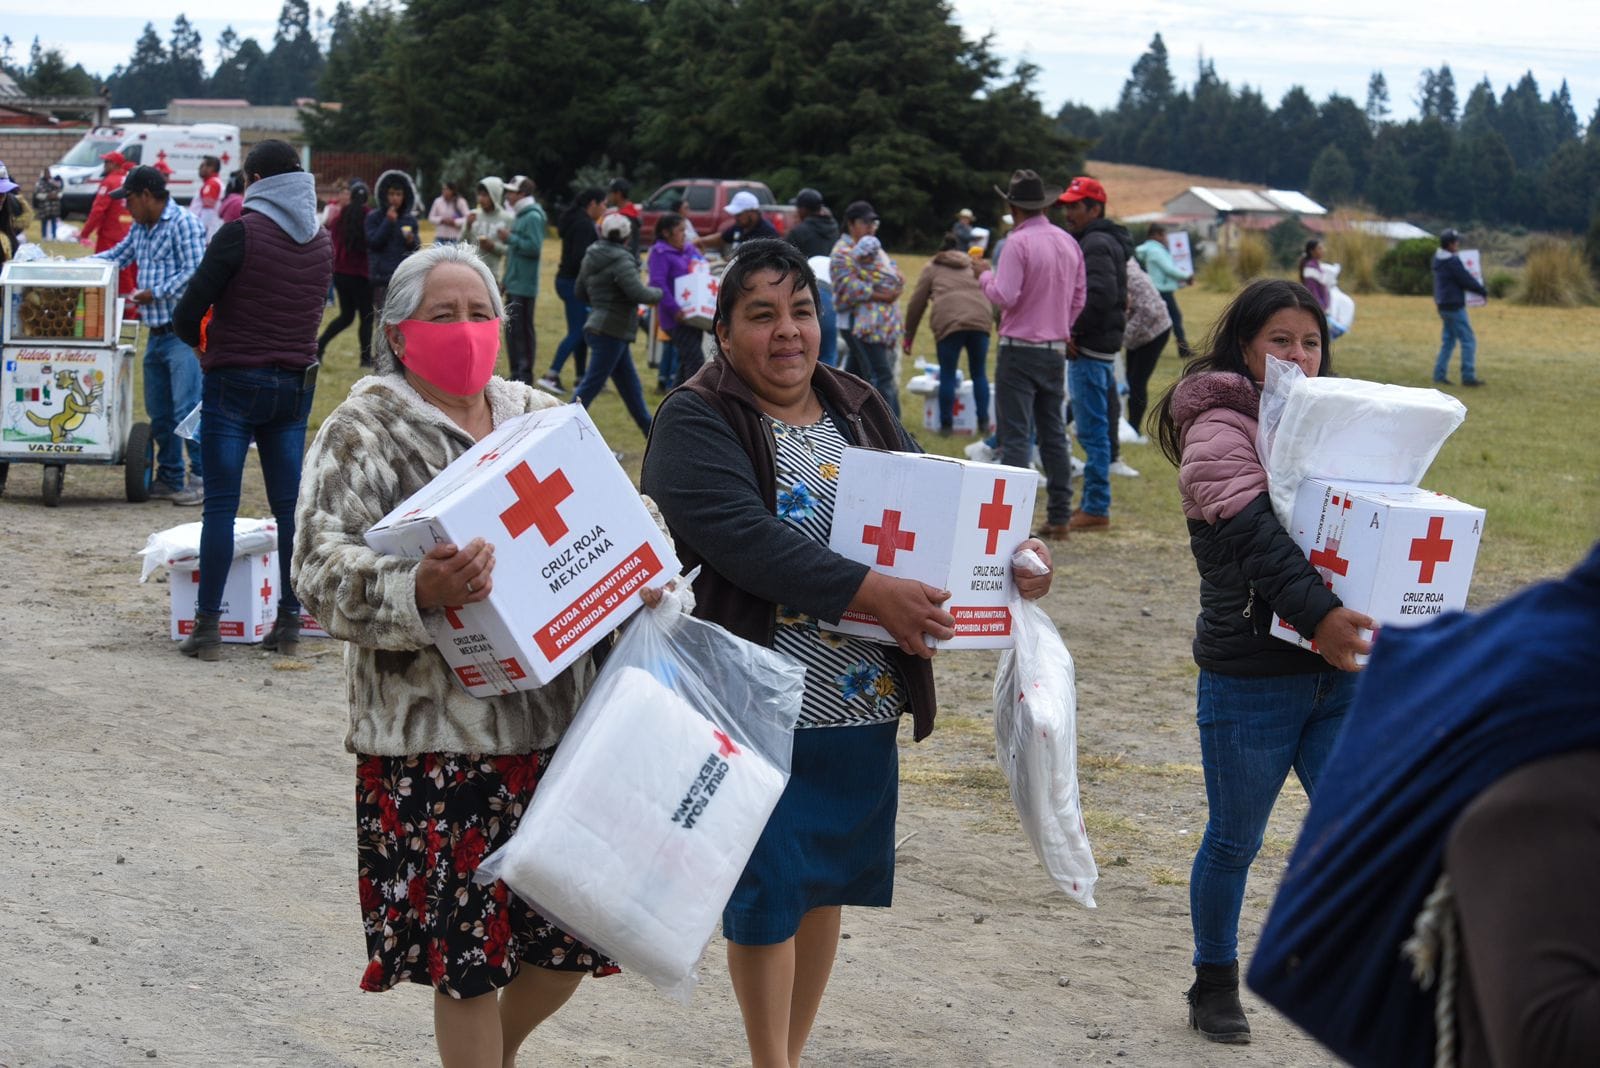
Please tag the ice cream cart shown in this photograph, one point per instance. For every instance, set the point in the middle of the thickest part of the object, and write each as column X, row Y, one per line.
column 66, row 380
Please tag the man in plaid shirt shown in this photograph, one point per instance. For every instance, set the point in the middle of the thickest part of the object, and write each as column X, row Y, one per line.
column 167, row 244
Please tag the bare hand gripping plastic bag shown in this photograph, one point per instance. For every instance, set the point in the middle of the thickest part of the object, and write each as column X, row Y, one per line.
column 1036, row 742
column 653, row 803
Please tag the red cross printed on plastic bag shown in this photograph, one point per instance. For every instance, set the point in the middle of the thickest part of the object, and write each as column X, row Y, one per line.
column 725, row 746
column 995, row 517
column 889, row 538
column 536, row 504
column 1431, row 551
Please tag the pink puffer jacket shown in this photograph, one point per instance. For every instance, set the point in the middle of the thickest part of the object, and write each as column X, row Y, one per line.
column 1216, row 416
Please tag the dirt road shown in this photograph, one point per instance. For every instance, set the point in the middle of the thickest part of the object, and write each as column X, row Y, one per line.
column 178, row 853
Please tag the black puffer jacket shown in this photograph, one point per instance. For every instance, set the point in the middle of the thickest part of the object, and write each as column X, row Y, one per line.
column 1249, row 565
column 1106, row 248
column 815, row 235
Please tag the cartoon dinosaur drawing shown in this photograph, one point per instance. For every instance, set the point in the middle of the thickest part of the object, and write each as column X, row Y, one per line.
column 76, row 406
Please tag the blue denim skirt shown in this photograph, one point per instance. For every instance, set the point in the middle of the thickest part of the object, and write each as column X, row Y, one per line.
column 830, row 841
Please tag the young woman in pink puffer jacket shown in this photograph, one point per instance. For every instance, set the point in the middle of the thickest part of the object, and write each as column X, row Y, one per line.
column 1264, row 706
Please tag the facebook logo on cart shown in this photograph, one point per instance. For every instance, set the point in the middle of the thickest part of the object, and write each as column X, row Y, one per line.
column 11, row 365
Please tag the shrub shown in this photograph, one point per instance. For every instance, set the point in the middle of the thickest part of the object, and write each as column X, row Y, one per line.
column 1251, row 256
column 1288, row 240
column 1500, row 284
column 1357, row 252
column 1407, row 269
column 1556, row 276
column 1215, row 275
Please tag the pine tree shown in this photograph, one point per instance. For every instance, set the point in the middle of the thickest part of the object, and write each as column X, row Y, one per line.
column 145, row 83
column 185, row 55
column 1564, row 117
column 1389, row 182
column 1332, row 179
column 1377, row 109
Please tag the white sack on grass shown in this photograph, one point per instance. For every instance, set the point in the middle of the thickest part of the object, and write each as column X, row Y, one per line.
column 1036, row 742
column 1347, row 428
column 179, row 547
column 654, row 801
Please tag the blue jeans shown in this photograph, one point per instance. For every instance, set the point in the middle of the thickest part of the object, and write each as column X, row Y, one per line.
column 876, row 363
column 1252, row 731
column 1457, row 327
column 948, row 349
column 666, row 364
column 269, row 405
column 573, row 344
column 171, row 391
column 610, row 357
column 1091, row 382
column 829, row 320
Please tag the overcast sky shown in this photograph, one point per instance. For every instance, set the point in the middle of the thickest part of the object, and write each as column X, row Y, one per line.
column 1086, row 50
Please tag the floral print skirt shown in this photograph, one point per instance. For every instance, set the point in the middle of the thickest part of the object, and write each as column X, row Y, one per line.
column 424, row 823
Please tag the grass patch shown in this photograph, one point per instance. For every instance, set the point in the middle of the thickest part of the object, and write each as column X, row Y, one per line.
column 1357, row 253
column 1168, row 877
column 978, row 783
column 1556, row 276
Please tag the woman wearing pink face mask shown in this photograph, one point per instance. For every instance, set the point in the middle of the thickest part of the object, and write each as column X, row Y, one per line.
column 442, row 778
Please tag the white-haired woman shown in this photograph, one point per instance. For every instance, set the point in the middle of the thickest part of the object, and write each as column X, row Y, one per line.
column 442, row 778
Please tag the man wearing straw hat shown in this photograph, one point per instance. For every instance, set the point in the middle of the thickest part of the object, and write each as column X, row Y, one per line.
column 1039, row 289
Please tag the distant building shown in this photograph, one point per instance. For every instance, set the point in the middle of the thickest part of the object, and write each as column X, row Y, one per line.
column 256, row 122
column 1217, row 216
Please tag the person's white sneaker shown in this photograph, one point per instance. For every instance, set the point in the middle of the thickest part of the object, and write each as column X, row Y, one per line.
column 1077, row 467
column 1118, row 467
column 980, row 452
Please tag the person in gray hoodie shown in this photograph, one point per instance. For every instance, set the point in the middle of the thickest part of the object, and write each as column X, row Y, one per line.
column 489, row 225
column 252, row 311
column 609, row 283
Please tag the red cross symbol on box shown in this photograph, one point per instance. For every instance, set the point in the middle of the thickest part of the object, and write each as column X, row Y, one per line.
column 1329, row 557
column 1431, row 551
column 266, row 590
column 889, row 538
column 958, row 407
column 995, row 516
column 725, row 746
column 536, row 503
column 454, row 620
column 715, row 285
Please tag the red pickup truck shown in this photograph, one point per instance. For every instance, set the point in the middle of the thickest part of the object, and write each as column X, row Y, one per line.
column 703, row 201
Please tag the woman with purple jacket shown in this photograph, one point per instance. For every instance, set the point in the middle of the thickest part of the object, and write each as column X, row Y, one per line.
column 672, row 257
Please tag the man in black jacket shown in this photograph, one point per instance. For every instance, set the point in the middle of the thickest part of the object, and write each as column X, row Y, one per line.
column 1451, row 284
column 817, row 230
column 1096, row 339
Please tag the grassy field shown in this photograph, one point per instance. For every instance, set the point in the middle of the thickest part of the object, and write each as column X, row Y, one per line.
column 1522, row 454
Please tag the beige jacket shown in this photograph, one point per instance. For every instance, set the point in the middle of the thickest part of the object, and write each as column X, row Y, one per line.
column 377, row 448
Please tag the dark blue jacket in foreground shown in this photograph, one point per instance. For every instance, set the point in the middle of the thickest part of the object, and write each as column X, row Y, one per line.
column 1443, row 712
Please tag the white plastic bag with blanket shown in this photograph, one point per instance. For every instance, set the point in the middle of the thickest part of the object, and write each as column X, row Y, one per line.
column 1036, row 742
column 1346, row 428
column 657, row 794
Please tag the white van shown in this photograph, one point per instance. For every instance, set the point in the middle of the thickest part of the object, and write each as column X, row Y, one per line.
column 180, row 147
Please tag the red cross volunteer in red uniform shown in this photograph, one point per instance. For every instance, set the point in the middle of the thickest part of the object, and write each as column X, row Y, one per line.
column 744, row 461
column 443, row 777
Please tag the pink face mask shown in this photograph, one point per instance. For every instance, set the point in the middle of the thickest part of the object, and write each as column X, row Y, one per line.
column 456, row 357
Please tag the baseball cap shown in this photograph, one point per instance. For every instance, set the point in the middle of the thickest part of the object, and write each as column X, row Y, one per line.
column 809, row 199
column 141, row 180
column 1450, row 236
column 860, row 209
column 743, row 200
column 615, row 224
column 1083, row 189
column 115, row 158
column 6, row 184
column 966, row 213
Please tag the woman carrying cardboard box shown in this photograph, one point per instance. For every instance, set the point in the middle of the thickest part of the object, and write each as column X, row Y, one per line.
column 1264, row 706
column 744, row 461
column 443, row 777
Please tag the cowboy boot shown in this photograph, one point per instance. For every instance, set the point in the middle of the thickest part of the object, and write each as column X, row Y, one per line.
column 205, row 641
column 1214, row 1008
column 284, row 637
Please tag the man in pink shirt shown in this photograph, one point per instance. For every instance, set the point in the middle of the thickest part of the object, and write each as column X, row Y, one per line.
column 1039, row 289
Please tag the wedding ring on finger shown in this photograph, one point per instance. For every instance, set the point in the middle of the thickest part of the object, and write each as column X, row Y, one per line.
column 470, row 587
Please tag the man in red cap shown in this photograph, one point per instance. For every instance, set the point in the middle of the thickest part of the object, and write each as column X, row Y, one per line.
column 1096, row 339
column 109, row 219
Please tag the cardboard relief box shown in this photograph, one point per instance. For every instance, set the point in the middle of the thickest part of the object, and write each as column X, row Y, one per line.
column 1400, row 554
column 964, row 412
column 249, row 599
column 574, row 546
column 949, row 523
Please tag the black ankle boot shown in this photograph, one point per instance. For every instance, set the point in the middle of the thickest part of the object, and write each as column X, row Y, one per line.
column 1214, row 1008
column 205, row 641
column 284, row 637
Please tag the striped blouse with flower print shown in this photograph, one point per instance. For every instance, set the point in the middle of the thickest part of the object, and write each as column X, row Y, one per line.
column 849, row 681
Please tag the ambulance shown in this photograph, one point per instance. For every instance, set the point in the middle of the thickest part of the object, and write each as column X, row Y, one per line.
column 179, row 147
